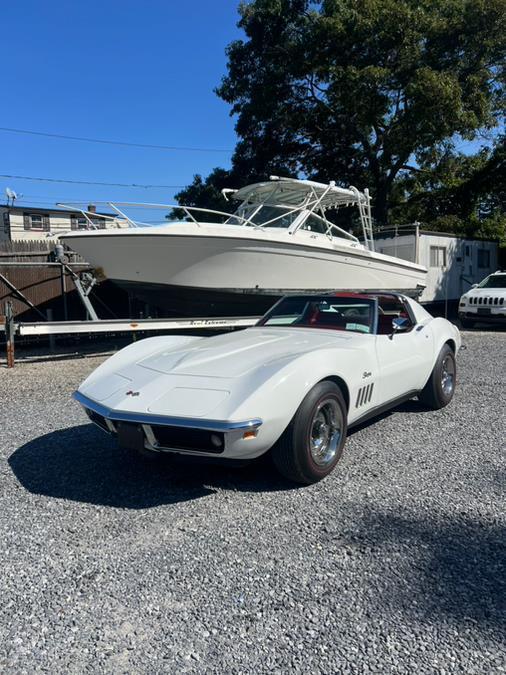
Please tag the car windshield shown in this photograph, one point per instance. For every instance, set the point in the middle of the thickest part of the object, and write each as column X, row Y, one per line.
column 281, row 216
column 333, row 313
column 494, row 281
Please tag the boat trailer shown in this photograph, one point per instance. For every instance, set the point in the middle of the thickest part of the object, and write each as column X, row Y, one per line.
column 15, row 329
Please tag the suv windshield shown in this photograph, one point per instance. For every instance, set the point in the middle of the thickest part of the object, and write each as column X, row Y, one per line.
column 332, row 313
column 494, row 281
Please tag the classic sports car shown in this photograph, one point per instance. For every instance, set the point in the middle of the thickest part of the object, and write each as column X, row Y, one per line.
column 313, row 366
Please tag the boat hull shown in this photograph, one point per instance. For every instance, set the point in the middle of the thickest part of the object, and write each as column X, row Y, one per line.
column 182, row 273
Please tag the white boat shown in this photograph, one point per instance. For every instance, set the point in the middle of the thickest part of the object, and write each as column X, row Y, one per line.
column 279, row 241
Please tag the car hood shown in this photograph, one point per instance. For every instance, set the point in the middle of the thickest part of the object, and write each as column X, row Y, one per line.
column 236, row 354
column 204, row 376
column 489, row 292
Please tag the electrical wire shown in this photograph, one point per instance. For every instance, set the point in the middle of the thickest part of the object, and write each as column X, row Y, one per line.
column 89, row 182
column 83, row 139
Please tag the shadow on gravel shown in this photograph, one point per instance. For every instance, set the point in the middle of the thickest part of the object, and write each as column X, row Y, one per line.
column 413, row 406
column 83, row 464
column 447, row 569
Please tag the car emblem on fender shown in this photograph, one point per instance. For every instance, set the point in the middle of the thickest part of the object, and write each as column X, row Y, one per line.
column 132, row 393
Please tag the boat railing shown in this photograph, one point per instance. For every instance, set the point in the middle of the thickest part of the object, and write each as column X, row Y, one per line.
column 308, row 206
column 136, row 223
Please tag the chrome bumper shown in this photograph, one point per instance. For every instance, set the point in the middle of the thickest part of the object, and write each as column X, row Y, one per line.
column 165, row 420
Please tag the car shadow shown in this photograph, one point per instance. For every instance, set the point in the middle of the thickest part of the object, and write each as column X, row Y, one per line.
column 412, row 406
column 83, row 464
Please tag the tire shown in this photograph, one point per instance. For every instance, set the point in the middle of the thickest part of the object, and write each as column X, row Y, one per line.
column 439, row 390
column 313, row 442
column 467, row 323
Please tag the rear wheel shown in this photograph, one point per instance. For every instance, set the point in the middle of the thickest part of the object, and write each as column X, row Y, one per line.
column 439, row 390
column 313, row 442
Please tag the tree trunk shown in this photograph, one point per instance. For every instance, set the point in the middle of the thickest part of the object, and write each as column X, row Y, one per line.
column 380, row 204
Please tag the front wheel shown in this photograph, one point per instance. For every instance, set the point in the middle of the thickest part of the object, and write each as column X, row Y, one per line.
column 313, row 442
column 440, row 388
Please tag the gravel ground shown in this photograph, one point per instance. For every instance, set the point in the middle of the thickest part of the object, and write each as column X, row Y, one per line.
column 394, row 564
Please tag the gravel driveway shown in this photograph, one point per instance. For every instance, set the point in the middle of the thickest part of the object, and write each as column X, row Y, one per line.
column 394, row 564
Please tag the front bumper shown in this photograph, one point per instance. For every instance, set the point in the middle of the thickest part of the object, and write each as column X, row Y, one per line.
column 162, row 433
column 490, row 316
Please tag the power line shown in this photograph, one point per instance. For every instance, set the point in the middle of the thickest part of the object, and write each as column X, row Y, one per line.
column 88, row 182
column 109, row 142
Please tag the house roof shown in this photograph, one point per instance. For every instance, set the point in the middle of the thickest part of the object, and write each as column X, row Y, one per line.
column 39, row 209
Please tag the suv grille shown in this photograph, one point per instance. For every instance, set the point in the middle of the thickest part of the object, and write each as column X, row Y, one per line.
column 485, row 300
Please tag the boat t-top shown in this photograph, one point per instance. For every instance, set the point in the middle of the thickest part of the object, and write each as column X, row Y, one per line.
column 278, row 240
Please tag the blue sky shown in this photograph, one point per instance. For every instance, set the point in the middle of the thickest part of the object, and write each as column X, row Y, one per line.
column 126, row 71
column 141, row 72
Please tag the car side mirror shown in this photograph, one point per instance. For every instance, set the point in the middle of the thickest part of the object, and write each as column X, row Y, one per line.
column 400, row 324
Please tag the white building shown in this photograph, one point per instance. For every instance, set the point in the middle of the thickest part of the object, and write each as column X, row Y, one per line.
column 453, row 263
column 24, row 223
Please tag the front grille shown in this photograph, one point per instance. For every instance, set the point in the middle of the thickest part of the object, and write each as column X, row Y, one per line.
column 97, row 419
column 486, row 301
column 198, row 440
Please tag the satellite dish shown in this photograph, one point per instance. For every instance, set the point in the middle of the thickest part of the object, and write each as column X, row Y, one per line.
column 10, row 193
column 11, row 196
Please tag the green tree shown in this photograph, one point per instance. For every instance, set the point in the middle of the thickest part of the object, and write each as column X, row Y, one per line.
column 360, row 91
column 458, row 193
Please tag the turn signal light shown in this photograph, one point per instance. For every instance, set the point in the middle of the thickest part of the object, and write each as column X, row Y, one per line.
column 249, row 434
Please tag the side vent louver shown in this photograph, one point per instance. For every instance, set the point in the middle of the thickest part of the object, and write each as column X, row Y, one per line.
column 364, row 395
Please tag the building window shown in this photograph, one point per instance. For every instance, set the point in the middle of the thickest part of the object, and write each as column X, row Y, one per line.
column 36, row 221
column 438, row 256
column 79, row 222
column 483, row 258
column 7, row 224
column 99, row 223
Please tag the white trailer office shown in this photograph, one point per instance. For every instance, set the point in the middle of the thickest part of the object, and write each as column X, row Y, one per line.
column 453, row 263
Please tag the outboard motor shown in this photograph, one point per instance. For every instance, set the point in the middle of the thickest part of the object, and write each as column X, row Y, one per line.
column 59, row 253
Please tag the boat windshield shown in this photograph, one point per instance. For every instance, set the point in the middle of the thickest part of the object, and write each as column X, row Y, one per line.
column 266, row 215
column 332, row 313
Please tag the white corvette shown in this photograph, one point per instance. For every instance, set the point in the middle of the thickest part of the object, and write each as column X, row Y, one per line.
column 313, row 366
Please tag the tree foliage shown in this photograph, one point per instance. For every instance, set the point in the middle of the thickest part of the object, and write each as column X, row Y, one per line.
column 368, row 92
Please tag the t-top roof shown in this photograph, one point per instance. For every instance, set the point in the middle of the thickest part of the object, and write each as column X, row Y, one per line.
column 293, row 192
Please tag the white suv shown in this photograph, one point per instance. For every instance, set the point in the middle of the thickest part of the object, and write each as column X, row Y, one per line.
column 484, row 302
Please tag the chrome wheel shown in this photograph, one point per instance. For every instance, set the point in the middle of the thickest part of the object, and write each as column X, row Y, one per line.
column 448, row 375
column 326, row 429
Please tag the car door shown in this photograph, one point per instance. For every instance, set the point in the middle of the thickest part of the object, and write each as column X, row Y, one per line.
column 404, row 358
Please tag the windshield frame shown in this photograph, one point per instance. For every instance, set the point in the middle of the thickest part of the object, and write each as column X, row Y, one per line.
column 321, row 297
column 307, row 207
column 246, row 212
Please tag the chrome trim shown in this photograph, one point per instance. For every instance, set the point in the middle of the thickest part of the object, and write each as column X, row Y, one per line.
column 163, row 420
column 110, row 426
column 150, row 436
